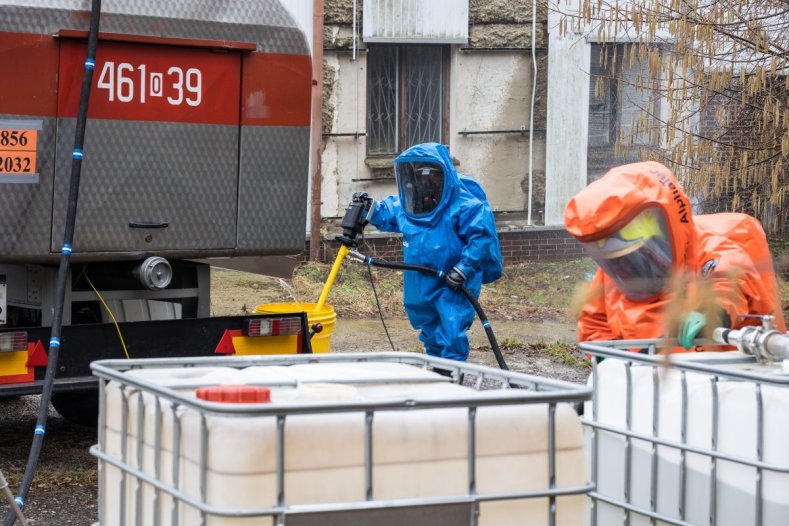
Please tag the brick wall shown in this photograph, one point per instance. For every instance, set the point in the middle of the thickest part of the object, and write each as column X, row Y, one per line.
column 520, row 246
column 539, row 244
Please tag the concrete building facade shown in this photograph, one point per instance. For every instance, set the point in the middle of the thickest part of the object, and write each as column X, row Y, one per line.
column 514, row 98
column 482, row 110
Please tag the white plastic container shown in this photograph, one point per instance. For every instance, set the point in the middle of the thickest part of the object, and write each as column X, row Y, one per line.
column 745, row 417
column 415, row 453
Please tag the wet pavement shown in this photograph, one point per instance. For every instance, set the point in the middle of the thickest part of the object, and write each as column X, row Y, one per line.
column 368, row 335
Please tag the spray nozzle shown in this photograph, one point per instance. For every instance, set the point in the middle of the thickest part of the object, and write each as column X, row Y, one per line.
column 356, row 218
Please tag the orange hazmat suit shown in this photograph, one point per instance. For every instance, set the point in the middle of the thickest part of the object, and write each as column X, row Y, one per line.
column 636, row 222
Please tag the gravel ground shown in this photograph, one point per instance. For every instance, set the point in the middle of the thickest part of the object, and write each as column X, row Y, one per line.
column 64, row 491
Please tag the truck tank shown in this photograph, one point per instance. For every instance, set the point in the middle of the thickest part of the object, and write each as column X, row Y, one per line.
column 196, row 146
column 197, row 140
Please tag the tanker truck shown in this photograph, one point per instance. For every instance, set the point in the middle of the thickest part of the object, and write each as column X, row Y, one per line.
column 196, row 147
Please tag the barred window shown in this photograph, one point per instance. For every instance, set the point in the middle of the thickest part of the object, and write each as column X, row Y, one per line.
column 406, row 96
column 622, row 109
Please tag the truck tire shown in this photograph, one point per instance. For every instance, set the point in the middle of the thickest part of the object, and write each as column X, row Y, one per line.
column 78, row 407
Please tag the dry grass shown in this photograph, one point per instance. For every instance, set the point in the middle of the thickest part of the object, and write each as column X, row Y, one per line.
column 528, row 292
column 54, row 478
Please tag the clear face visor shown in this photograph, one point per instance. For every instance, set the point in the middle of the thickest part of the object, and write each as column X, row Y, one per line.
column 421, row 186
column 638, row 256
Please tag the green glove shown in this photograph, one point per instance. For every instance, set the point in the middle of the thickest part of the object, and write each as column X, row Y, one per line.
column 690, row 328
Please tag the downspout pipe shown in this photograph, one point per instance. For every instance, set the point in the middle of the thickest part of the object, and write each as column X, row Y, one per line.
column 531, row 108
column 316, row 139
column 65, row 261
column 355, row 53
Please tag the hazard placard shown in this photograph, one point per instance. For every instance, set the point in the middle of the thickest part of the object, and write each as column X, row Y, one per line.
column 18, row 151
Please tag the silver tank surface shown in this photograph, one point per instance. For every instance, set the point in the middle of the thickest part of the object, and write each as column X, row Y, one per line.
column 197, row 142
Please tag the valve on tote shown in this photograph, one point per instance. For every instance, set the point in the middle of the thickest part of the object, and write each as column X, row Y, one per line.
column 356, row 218
column 765, row 343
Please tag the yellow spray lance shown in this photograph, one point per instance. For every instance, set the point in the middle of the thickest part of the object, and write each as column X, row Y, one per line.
column 332, row 275
column 353, row 223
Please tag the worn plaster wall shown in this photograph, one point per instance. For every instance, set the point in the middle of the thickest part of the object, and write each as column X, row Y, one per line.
column 505, row 11
column 492, row 93
column 340, row 12
column 489, row 91
column 506, row 23
column 343, row 156
column 344, row 96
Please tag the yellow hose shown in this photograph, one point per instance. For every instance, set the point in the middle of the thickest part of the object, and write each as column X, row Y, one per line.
column 332, row 275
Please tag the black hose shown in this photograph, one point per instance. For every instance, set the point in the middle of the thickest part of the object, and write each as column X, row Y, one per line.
column 377, row 302
column 404, row 266
column 63, row 270
column 380, row 311
column 439, row 274
column 486, row 325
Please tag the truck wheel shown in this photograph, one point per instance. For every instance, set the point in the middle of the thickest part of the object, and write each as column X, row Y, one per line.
column 79, row 407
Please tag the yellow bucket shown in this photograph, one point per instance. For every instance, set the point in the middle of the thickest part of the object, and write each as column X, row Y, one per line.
column 321, row 342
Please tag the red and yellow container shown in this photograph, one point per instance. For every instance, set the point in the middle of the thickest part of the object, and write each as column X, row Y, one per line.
column 321, row 342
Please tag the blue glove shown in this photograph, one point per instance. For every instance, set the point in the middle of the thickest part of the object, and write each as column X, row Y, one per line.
column 455, row 278
column 690, row 328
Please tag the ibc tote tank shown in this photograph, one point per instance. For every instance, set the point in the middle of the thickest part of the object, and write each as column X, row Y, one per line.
column 416, row 454
column 735, row 418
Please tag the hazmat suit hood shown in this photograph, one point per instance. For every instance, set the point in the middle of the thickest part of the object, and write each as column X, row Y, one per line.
column 626, row 195
column 410, row 164
column 638, row 211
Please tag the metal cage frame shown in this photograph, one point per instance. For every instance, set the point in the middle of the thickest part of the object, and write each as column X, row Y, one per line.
column 622, row 350
column 517, row 388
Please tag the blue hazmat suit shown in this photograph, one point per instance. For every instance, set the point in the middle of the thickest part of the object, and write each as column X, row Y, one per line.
column 458, row 231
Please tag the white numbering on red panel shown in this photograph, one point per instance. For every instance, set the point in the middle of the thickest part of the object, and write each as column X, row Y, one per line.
column 125, row 83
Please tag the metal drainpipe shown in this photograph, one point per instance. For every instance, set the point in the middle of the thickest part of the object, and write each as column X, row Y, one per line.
column 355, row 53
column 316, row 141
column 533, row 94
